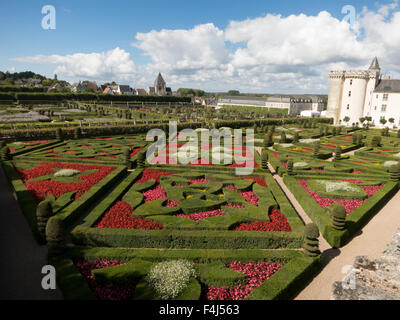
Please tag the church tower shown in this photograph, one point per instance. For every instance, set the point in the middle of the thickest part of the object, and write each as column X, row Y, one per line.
column 160, row 87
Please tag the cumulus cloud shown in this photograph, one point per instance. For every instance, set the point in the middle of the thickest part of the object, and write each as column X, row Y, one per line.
column 271, row 53
column 202, row 47
column 92, row 65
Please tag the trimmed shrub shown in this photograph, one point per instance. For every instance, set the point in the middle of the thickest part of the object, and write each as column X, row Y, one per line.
column 334, row 131
column 59, row 134
column 311, row 242
column 2, row 144
column 44, row 212
column 141, row 160
column 316, row 150
column 5, row 154
column 55, row 235
column 289, row 168
column 398, row 133
column 268, row 140
column 359, row 141
column 338, row 216
column 296, row 137
column 283, row 138
column 264, row 159
column 376, row 141
column 321, row 131
column 394, row 172
column 127, row 158
column 338, row 153
column 77, row 133
column 355, row 138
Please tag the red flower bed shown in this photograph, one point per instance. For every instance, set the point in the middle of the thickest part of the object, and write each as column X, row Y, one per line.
column 258, row 180
column 120, row 217
column 202, row 215
column 40, row 189
column 328, row 146
column 257, row 273
column 135, row 151
column 149, row 174
column 350, row 205
column 278, row 223
column 104, row 292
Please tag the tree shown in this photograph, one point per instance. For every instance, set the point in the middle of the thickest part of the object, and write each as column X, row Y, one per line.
column 383, row 121
column 346, row 119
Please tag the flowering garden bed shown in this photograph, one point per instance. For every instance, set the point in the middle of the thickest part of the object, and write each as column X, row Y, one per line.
column 106, row 150
column 124, row 274
column 154, row 208
column 368, row 198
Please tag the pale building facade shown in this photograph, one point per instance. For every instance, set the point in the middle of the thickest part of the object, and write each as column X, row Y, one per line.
column 363, row 93
column 294, row 104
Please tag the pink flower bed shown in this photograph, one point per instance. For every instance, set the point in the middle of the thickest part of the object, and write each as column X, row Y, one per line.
column 350, row 205
column 104, row 292
column 257, row 273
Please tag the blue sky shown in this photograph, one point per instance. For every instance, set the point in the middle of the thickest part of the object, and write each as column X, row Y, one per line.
column 87, row 27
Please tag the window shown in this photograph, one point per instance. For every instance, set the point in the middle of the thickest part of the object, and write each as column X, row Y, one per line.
column 377, row 96
column 351, row 82
column 384, row 106
column 349, row 93
column 375, row 108
column 385, row 97
column 348, row 107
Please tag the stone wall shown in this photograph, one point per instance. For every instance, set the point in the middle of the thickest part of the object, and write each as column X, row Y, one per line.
column 373, row 279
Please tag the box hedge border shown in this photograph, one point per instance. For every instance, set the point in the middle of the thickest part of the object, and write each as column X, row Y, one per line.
column 69, row 213
column 85, row 234
column 354, row 222
column 297, row 270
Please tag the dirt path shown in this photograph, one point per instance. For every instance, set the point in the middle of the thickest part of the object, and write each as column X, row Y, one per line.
column 21, row 257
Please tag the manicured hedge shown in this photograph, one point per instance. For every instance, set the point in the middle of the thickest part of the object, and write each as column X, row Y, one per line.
column 296, row 272
column 85, row 234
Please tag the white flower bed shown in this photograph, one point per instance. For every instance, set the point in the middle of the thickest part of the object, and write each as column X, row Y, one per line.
column 332, row 186
column 300, row 164
column 308, row 140
column 66, row 173
column 390, row 163
column 170, row 278
column 286, row 145
column 397, row 155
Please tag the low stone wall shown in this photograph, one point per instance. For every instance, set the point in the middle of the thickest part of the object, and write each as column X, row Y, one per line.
column 372, row 279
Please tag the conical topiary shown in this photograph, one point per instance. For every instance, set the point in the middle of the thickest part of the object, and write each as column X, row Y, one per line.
column 359, row 141
column 338, row 216
column 141, row 160
column 334, row 131
column 127, row 158
column 77, row 133
column 283, row 137
column 354, row 137
column 311, row 242
column 59, row 134
column 44, row 212
column 55, row 235
column 376, row 141
column 296, row 137
column 264, row 159
column 316, row 149
column 338, row 153
column 289, row 168
column 321, row 131
column 394, row 172
column 5, row 154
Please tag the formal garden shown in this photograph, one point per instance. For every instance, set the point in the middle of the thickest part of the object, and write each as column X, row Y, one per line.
column 120, row 225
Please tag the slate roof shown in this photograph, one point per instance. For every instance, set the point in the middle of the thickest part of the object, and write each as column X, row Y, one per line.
column 392, row 85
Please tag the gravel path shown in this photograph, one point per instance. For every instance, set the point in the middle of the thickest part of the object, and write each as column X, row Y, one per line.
column 21, row 257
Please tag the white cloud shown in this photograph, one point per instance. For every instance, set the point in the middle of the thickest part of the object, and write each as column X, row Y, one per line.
column 272, row 53
column 202, row 47
column 92, row 65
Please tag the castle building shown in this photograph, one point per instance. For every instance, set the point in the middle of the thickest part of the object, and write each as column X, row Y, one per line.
column 363, row 93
